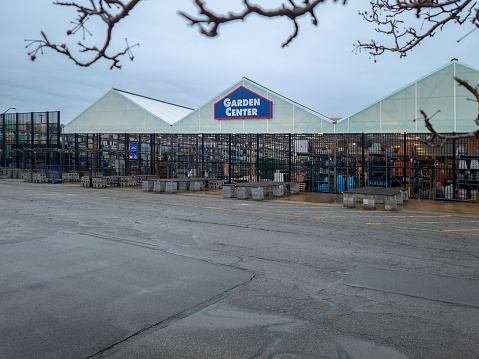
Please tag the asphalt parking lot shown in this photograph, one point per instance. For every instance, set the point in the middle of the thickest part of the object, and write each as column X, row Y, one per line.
column 121, row 273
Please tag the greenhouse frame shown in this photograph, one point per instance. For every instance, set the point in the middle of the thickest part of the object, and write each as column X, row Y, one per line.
column 250, row 133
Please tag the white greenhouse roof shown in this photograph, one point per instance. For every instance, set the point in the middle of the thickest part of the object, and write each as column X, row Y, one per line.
column 450, row 63
column 168, row 112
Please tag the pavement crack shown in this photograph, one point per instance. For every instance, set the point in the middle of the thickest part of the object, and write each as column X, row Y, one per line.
column 104, row 353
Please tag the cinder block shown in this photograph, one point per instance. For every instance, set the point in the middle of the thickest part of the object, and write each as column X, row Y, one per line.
column 196, row 185
column 348, row 200
column 159, row 186
column 147, row 185
column 183, row 186
column 294, row 188
column 257, row 193
column 278, row 191
column 243, row 192
column 228, row 191
column 399, row 198
column 390, row 203
column 171, row 187
column 369, row 202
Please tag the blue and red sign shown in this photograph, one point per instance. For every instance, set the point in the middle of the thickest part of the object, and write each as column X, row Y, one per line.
column 243, row 103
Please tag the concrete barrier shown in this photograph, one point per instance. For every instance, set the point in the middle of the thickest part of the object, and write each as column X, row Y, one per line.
column 171, row 187
column 228, row 191
column 278, row 191
column 99, row 182
column 369, row 202
column 391, row 203
column 196, row 185
column 257, row 193
column 147, row 185
column 243, row 192
column 294, row 188
column 85, row 181
column 183, row 186
column 348, row 200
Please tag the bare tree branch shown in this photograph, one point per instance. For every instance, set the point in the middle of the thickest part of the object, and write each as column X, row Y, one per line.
column 110, row 12
column 390, row 17
column 209, row 22
column 439, row 140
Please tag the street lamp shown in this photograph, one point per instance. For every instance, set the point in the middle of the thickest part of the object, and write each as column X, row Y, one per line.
column 4, row 133
column 11, row 108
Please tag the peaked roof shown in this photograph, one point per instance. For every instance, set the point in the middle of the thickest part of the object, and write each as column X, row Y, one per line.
column 166, row 111
column 289, row 100
column 450, row 63
column 242, row 82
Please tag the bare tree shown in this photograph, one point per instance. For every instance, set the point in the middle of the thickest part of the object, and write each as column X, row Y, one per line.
column 209, row 21
column 110, row 12
column 389, row 17
column 436, row 139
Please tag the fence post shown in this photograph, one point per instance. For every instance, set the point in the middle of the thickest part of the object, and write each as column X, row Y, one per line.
column 363, row 160
column 17, row 144
column 290, row 166
column 4, row 147
column 152, row 154
column 229, row 159
column 454, row 169
column 202, row 155
column 172, row 158
column 404, row 161
column 127, row 154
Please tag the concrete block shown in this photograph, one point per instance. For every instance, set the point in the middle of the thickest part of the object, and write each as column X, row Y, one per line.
column 71, row 176
column 99, row 182
column 159, row 186
column 39, row 178
column 348, row 200
column 399, row 198
column 369, row 202
column 183, row 186
column 112, row 181
column 196, row 185
column 257, row 193
column 171, row 187
column 85, row 181
column 390, row 203
column 228, row 191
column 243, row 192
column 147, row 185
column 294, row 188
column 278, row 191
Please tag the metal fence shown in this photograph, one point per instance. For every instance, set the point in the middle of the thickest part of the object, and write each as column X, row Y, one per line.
column 29, row 139
column 329, row 163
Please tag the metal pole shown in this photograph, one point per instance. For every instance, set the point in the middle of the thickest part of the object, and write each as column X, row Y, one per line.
column 335, row 162
column 290, row 167
column 47, row 153
column 4, row 143
column 454, row 169
column 229, row 160
column 17, row 159
column 257, row 157
column 202, row 156
column 362, row 160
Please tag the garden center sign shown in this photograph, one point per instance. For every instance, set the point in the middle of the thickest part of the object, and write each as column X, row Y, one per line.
column 243, row 103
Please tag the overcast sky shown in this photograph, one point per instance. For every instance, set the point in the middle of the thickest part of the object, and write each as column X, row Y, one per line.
column 174, row 63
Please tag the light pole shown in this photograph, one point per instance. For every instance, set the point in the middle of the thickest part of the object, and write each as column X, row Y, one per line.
column 4, row 137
